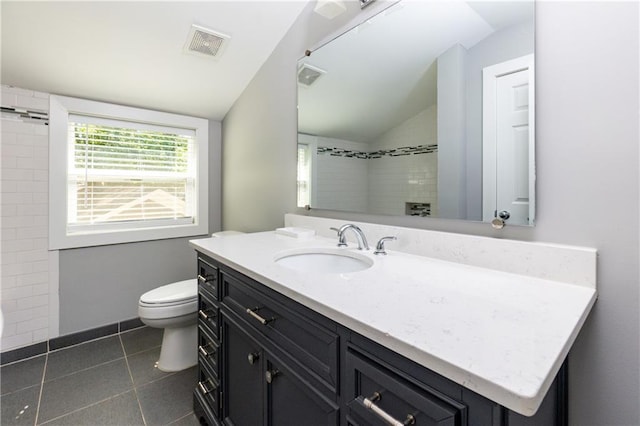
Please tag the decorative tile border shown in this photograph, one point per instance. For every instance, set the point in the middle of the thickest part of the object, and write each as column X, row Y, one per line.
column 28, row 116
column 397, row 152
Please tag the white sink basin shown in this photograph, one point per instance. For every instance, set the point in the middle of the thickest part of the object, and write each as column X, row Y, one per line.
column 323, row 260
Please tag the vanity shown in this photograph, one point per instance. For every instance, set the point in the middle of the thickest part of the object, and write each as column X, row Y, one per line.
column 408, row 338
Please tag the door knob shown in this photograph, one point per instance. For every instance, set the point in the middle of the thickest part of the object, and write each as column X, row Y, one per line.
column 504, row 215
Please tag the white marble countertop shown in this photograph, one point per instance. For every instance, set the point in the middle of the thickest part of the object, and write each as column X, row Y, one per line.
column 499, row 334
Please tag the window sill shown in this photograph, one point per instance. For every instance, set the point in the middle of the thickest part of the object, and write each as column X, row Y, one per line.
column 101, row 238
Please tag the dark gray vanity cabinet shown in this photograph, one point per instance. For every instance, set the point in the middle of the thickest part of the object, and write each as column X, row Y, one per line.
column 271, row 361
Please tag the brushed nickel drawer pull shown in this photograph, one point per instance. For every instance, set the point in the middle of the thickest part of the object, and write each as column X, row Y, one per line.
column 206, row 278
column 203, row 314
column 388, row 418
column 262, row 320
column 203, row 350
column 203, row 387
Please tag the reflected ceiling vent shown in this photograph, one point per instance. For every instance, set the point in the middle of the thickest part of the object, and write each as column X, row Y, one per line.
column 202, row 41
column 308, row 74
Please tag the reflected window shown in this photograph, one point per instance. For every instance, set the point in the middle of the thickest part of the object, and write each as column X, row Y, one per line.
column 304, row 175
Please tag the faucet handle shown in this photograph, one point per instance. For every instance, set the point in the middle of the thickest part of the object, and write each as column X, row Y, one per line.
column 342, row 240
column 380, row 245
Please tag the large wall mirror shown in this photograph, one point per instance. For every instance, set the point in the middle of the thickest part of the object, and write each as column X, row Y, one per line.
column 426, row 109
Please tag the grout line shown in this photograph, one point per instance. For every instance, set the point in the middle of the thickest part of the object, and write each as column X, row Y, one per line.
column 44, row 372
column 133, row 383
column 82, row 343
column 166, row 375
column 183, row 417
column 125, row 357
column 48, row 341
column 87, row 368
column 24, row 359
column 85, row 407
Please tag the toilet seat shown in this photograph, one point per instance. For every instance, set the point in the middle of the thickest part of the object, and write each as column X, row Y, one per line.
column 171, row 294
column 170, row 301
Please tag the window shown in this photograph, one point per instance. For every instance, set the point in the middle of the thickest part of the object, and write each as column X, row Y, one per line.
column 304, row 175
column 121, row 174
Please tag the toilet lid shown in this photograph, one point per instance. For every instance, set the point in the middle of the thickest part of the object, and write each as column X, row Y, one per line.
column 171, row 293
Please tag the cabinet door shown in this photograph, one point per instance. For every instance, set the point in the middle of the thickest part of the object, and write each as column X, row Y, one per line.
column 242, row 377
column 292, row 402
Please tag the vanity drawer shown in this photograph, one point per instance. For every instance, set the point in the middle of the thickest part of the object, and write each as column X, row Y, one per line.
column 208, row 278
column 208, row 349
column 207, row 389
column 208, row 314
column 374, row 392
column 299, row 336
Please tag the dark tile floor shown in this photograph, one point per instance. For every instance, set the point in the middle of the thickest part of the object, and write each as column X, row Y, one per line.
column 109, row 381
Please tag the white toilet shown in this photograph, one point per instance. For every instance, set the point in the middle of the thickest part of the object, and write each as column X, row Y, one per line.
column 173, row 307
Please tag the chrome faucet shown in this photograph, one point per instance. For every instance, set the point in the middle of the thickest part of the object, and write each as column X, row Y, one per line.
column 380, row 246
column 342, row 239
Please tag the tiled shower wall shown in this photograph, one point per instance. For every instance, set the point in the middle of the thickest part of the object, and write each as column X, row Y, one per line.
column 29, row 276
column 408, row 178
column 400, row 180
column 381, row 185
column 342, row 181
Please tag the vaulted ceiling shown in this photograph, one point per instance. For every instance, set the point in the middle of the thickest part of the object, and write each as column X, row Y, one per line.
column 132, row 52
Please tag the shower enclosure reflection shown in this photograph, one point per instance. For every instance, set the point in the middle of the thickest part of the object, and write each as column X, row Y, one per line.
column 391, row 118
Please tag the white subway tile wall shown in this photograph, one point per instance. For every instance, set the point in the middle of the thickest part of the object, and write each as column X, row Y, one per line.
column 409, row 178
column 384, row 184
column 342, row 181
column 26, row 283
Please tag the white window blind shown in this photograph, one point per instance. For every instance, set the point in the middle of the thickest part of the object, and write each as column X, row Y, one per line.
column 124, row 175
column 304, row 175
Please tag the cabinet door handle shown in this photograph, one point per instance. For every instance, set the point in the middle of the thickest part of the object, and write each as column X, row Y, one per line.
column 388, row 418
column 253, row 357
column 203, row 387
column 269, row 375
column 201, row 279
column 203, row 351
column 263, row 321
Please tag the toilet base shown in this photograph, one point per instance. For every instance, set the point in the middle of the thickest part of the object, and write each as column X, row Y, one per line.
column 179, row 348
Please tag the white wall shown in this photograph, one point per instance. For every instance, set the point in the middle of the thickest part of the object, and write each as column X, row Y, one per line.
column 28, row 289
column 452, row 133
column 587, row 133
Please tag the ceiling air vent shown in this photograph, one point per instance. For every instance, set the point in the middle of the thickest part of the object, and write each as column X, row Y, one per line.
column 206, row 42
column 308, row 74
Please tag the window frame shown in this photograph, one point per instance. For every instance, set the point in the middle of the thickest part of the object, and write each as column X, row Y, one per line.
column 60, row 109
